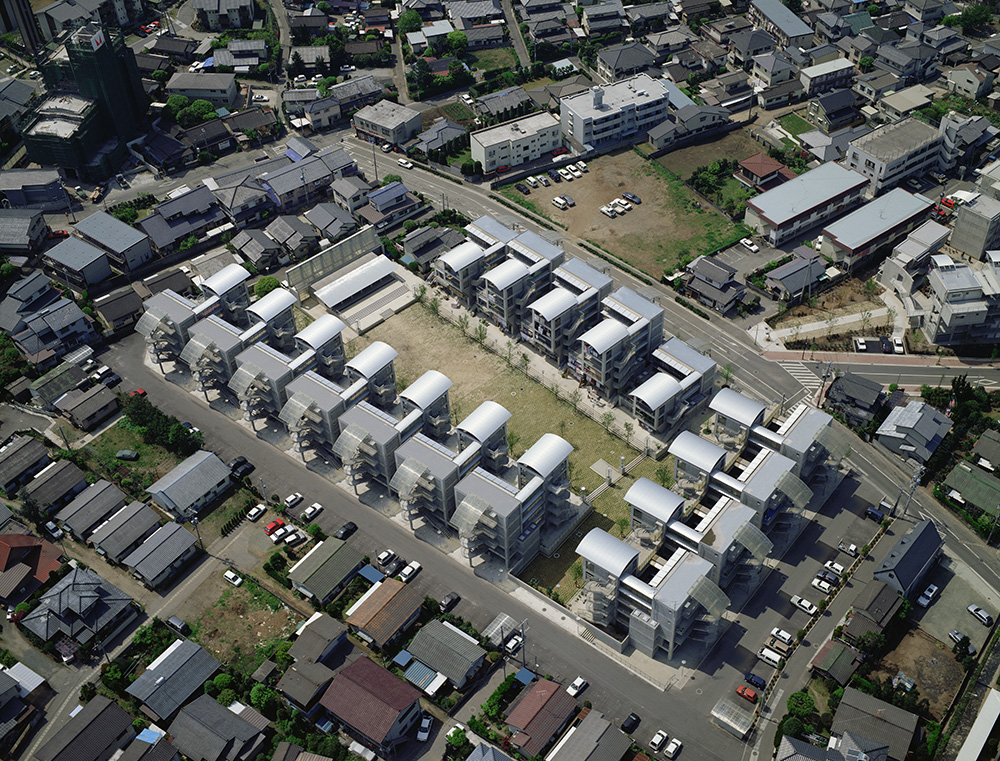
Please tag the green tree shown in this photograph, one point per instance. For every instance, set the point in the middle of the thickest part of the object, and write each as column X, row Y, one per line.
column 664, row 476
column 457, row 42
column 227, row 697
column 961, row 648
column 410, row 21
column 866, row 64
column 792, row 726
column 975, row 16
column 160, row 75
column 175, row 104
column 30, row 508
column 323, row 6
column 264, row 699
column 870, row 643
column 265, row 285
column 800, row 704
column 607, row 419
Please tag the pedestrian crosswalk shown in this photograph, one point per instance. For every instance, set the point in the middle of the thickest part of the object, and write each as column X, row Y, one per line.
column 798, row 370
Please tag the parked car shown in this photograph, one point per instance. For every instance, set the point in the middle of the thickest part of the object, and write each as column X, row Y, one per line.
column 513, row 644
column 928, row 596
column 957, row 636
column 129, row 455
column 114, row 379
column 803, row 604
column 609, row 212
column 579, row 685
column 405, row 163
column 913, row 183
column 897, row 346
column 532, row 182
column 347, row 68
column 564, row 173
column 424, row 731
column 755, row 680
column 293, row 499
column 258, row 98
column 301, row 78
column 560, row 203
column 255, row 513
column 394, row 566
column 569, row 200
column 749, row 245
column 673, row 748
column 658, row 741
column 630, row 723
column 178, row 625
column 273, row 526
column 244, row 470
column 467, row 99
column 980, row 615
column 876, row 515
column 542, row 179
column 409, row 572
column 552, row 173
column 385, row 557
column 631, row 197
column 523, row 189
column 137, row 392
column 56, row 234
column 293, row 537
column 386, row 148
column 827, row 577
column 582, row 166
column 780, row 634
column 850, row 549
column 622, row 204
column 346, row 530
column 233, row 578
column 448, row 602
column 823, row 586
column 237, row 462
column 860, row 345
column 745, row 692
column 54, row 531
column 835, row 568
column 312, row 511
column 280, row 534
column 577, row 174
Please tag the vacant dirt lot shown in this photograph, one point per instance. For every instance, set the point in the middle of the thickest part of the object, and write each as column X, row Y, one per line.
column 931, row 664
column 850, row 297
column 654, row 235
column 425, row 342
column 736, row 145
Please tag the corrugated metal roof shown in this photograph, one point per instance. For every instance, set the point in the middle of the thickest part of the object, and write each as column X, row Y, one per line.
column 607, row 552
column 654, row 499
column 546, row 454
column 427, row 389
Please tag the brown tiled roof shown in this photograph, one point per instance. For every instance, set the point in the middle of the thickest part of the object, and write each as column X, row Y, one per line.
column 368, row 698
column 386, row 610
column 23, row 556
column 761, row 165
column 543, row 708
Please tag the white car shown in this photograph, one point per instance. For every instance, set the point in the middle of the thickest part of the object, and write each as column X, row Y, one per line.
column 897, row 346
column 781, row 635
column 609, row 211
column 621, row 203
column 293, row 499
column 312, row 511
column 513, row 644
column 301, row 78
column 574, row 171
column 532, row 182
column 405, row 163
column 835, row 568
column 259, row 98
column 467, row 99
column 673, row 748
column 543, row 180
column 54, row 530
column 385, row 557
column 409, row 572
column 581, row 166
column 803, row 604
column 749, row 245
column 346, row 68
column 280, row 534
column 424, row 731
column 566, row 175
column 658, row 741
column 578, row 686
column 929, row 594
column 823, row 586
column 233, row 578
column 256, row 512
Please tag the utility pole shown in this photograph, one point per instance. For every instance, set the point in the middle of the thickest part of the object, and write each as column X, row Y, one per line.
column 918, row 473
column 195, row 522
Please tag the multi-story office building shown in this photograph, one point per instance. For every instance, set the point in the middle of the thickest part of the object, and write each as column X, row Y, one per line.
column 895, row 152
column 614, row 112
column 966, row 302
column 516, row 142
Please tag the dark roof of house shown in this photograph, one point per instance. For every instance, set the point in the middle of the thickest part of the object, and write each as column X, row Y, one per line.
column 58, row 381
column 368, row 698
column 878, row 601
column 20, row 454
column 838, row 660
column 176, row 219
column 541, row 710
column 173, row 677
column 257, row 118
column 88, row 736
column 326, row 567
column 79, row 604
column 165, row 547
column 205, row 134
column 173, row 280
column 713, row 268
column 91, row 506
column 315, row 637
column 124, row 528
column 205, row 730
column 877, row 720
column 446, row 650
column 857, row 387
column 114, row 306
column 908, row 557
column 627, row 56
column 55, row 482
column 988, row 447
column 386, row 610
column 139, row 750
column 302, row 680
column 595, row 739
column 836, row 100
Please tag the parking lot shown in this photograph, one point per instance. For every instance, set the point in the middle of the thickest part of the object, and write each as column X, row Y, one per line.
column 879, row 345
column 959, row 588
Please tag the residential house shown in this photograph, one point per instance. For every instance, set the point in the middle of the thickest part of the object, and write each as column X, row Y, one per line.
column 593, row 739
column 94, row 733
column 686, row 123
column 17, row 98
column 170, row 279
column 911, row 558
column 668, row 42
column 124, row 531
column 875, row 605
column 867, row 716
column 217, row 89
column 914, row 431
column 912, row 62
column 209, row 137
column 823, row 77
column 896, row 105
column 714, row 284
column 857, row 398
column 620, row 61
column 16, row 715
column 172, row 678
column 374, row 707
column 350, row 193
column 447, row 650
column 296, row 236
column 162, row 555
column 258, row 248
column 188, row 216
column 20, row 460
column 186, row 489
column 539, row 715
column 204, row 730
column 241, row 55
column 484, row 36
column 796, row 280
column 325, row 570
column 389, row 205
column 386, row 611
column 648, row 16
column 747, row 44
column 61, row 379
column 721, row 31
column 78, row 264
column 505, row 104
column 987, row 450
column 178, row 49
column 971, row 486
column 871, row 87
column 770, row 69
column 149, row 746
column 85, row 409
column 387, row 122
column 760, row 172
column 304, row 683
column 306, row 181
column 224, row 14
column 120, row 310
column 781, row 23
column 603, row 19
column 90, row 508
column 970, row 81
column 317, row 638
column 22, row 231
column 870, row 232
column 834, row 111
column 33, row 189
column 847, row 747
column 80, row 608
column 924, row 10
column 443, row 135
column 56, row 484
column 710, row 56
column 425, row 244
column 25, row 564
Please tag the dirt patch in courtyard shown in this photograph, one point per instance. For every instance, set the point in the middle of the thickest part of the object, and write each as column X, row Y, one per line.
column 928, row 662
column 736, row 145
column 850, row 297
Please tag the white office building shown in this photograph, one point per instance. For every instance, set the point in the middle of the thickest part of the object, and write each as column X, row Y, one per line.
column 614, row 112
column 516, row 142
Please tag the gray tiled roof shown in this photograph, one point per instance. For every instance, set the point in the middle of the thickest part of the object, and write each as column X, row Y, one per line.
column 173, row 677
column 192, row 479
column 207, row 731
column 907, row 559
column 88, row 736
column 80, row 603
column 81, row 405
column 161, row 550
column 15, row 226
column 75, row 254
column 446, row 651
column 91, row 506
column 875, row 719
column 109, row 232
column 326, row 567
column 20, row 455
column 161, row 750
column 54, row 483
column 124, row 528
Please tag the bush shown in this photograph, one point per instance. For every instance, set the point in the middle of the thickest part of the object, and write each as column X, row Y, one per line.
column 227, row 697
column 801, row 704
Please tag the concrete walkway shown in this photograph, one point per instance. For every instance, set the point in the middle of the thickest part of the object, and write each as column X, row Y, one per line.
column 514, row 30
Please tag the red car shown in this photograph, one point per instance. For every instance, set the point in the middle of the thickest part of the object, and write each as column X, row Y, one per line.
column 53, row 234
column 273, row 526
column 559, row 151
column 745, row 692
column 138, row 392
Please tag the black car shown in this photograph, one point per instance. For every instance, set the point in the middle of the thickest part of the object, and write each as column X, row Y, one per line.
column 631, row 197
column 522, row 189
column 828, row 577
column 569, row 200
column 449, row 601
column 755, row 680
column 395, row 566
column 139, row 33
column 630, row 723
column 234, row 464
column 346, row 530
column 244, row 470
column 554, row 175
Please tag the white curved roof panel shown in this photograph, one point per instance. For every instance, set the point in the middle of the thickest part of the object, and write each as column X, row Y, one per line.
column 506, row 274
column 735, row 406
column 373, row 359
column 273, row 304
column 654, row 499
column 605, row 551
column 226, row 279
column 657, row 391
column 546, row 454
column 319, row 331
column 554, row 303
column 604, row 335
column 484, row 421
column 427, row 389
column 700, row 452
column 462, row 255
column 346, row 288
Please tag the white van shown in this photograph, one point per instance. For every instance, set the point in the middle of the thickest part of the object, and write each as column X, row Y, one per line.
column 559, row 203
column 769, row 656
column 608, row 211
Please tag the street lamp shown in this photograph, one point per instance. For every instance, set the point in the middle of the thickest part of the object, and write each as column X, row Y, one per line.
column 195, row 522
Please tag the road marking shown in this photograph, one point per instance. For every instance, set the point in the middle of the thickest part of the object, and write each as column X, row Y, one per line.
column 806, row 377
